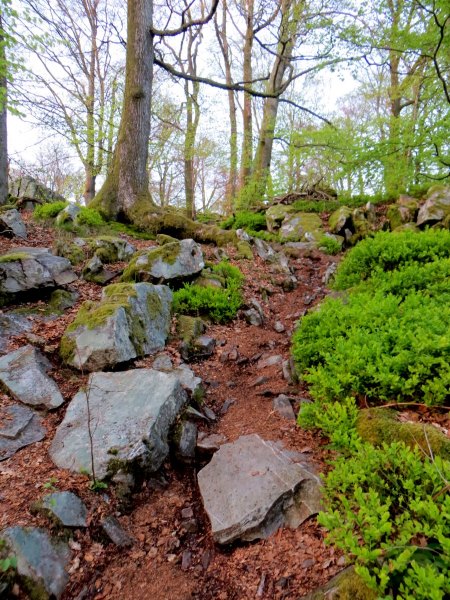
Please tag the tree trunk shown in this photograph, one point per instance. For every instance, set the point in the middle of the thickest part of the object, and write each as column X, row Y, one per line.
column 125, row 193
column 3, row 121
column 247, row 126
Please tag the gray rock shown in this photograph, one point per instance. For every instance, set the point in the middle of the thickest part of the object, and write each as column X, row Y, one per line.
column 111, row 249
column 210, row 443
column 30, row 270
column 209, row 413
column 340, row 220
column 186, row 441
column 19, row 427
column 251, row 488
column 276, row 214
column 131, row 413
column 263, row 249
column 41, row 561
column 329, row 273
column 190, row 382
column 131, row 320
column 163, row 362
column 116, row 533
column 94, row 271
column 23, row 373
column 253, row 317
column 29, row 189
column 69, row 214
column 283, row 406
column 193, row 412
column 279, row 327
column 177, row 260
column 11, row 223
column 243, row 236
column 67, row 508
column 436, row 207
column 12, row 324
column 199, row 349
column 269, row 361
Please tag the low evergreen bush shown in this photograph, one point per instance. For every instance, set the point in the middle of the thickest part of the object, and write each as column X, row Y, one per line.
column 218, row 303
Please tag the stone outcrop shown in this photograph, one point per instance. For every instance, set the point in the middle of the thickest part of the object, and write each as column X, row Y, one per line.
column 31, row 270
column 131, row 413
column 172, row 261
column 131, row 320
column 251, row 488
column 436, row 208
column 111, row 249
column 23, row 373
column 66, row 508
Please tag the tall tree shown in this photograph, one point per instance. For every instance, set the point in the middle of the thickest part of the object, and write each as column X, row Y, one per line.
column 3, row 114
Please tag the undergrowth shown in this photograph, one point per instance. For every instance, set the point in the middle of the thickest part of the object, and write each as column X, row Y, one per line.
column 218, row 303
column 385, row 339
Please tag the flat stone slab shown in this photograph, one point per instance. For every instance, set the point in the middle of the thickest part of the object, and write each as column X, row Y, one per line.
column 12, row 324
column 41, row 561
column 23, row 373
column 251, row 488
column 131, row 413
column 67, row 508
column 11, row 222
column 19, row 427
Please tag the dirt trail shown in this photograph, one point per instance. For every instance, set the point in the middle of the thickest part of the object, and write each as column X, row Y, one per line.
column 174, row 557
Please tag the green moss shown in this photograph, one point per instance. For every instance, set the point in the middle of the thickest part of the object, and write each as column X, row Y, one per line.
column 245, row 250
column 49, row 211
column 14, row 256
column 163, row 239
column 167, row 253
column 346, row 585
column 379, row 425
column 67, row 348
column 188, row 328
column 69, row 250
column 154, row 304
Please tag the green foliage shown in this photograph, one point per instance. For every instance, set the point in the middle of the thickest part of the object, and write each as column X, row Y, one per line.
column 336, row 419
column 90, row 217
column 97, row 486
column 49, row 211
column 116, row 227
column 386, row 252
column 220, row 304
column 330, row 245
column 376, row 346
column 249, row 220
column 50, row 484
column 389, row 510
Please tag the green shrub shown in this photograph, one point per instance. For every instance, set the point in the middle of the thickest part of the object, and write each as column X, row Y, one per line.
column 49, row 211
column 220, row 304
column 330, row 245
column 389, row 511
column 337, row 420
column 378, row 347
column 250, row 220
column 389, row 251
column 90, row 217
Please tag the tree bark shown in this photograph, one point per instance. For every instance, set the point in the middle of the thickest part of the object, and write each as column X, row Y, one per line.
column 3, row 121
column 247, row 125
column 125, row 192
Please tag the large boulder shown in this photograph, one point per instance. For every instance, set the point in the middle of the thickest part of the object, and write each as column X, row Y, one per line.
column 176, row 260
column 19, row 427
column 30, row 270
column 130, row 320
column 436, row 207
column 122, row 419
column 11, row 224
column 402, row 212
column 340, row 220
column 23, row 374
column 111, row 249
column 251, row 488
column 300, row 226
column 275, row 215
column 41, row 561
column 29, row 191
column 69, row 214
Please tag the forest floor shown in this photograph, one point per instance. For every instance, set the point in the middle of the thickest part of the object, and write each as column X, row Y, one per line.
column 175, row 557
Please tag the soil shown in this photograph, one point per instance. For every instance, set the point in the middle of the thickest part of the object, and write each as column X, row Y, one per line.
column 174, row 556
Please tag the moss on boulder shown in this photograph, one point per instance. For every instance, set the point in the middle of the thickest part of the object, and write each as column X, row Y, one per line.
column 379, row 425
column 346, row 585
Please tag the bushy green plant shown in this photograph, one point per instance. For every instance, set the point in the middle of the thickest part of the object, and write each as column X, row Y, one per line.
column 90, row 217
column 250, row 220
column 389, row 511
column 220, row 304
column 378, row 347
column 49, row 211
column 390, row 251
column 337, row 420
column 330, row 245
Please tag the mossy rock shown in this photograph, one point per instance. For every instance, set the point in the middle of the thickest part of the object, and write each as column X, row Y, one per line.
column 244, row 251
column 379, row 425
column 340, row 219
column 110, row 249
column 399, row 214
column 163, row 239
column 301, row 227
column 346, row 585
column 13, row 256
column 275, row 215
column 70, row 250
column 406, row 227
column 189, row 328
